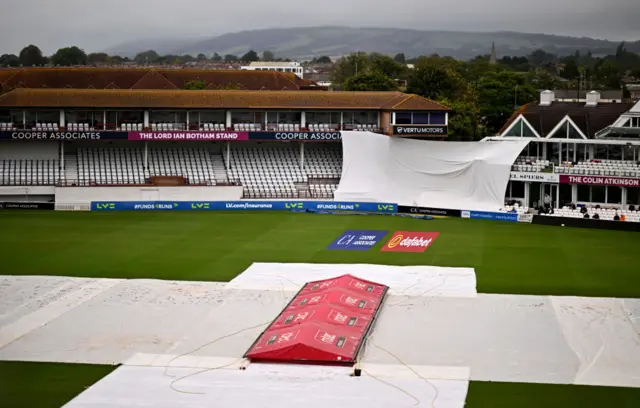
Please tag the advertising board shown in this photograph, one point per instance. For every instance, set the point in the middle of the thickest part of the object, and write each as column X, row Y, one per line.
column 405, row 241
column 357, row 240
column 242, row 205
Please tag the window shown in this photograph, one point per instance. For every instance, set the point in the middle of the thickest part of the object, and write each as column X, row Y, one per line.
column 332, row 118
column 420, row 118
column 284, row 117
column 163, row 116
column 437, row 118
column 209, row 116
column 360, row 118
column 247, row 117
column 403, row 118
column 520, row 128
column 94, row 119
column 566, row 131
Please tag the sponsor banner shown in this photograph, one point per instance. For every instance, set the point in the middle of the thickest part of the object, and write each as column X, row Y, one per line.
column 405, row 209
column 486, row 215
column 539, row 177
column 191, row 136
column 600, row 180
column 420, row 130
column 357, row 240
column 297, row 136
column 17, row 205
column 242, row 205
column 64, row 135
column 349, row 206
column 525, row 218
column 404, row 241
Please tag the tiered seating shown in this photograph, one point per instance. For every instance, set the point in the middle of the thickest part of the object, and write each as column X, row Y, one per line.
column 111, row 166
column 267, row 172
column 45, row 127
column 79, row 127
column 514, row 208
column 212, row 127
column 168, row 127
column 323, row 162
column 322, row 127
column 366, row 128
column 603, row 213
column 247, row 127
column 285, row 127
column 322, row 190
column 4, row 127
column 602, row 168
column 272, row 172
column 192, row 163
column 130, row 127
column 530, row 164
column 126, row 165
column 29, row 172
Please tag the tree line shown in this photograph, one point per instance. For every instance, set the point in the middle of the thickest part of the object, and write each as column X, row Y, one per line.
column 32, row 56
column 484, row 93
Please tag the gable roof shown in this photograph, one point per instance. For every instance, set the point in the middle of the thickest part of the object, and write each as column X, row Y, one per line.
column 589, row 119
column 223, row 99
column 127, row 78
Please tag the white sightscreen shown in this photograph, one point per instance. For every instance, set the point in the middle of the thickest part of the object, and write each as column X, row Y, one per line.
column 457, row 175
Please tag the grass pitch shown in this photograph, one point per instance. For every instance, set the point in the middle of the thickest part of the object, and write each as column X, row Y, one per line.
column 45, row 385
column 509, row 258
column 216, row 246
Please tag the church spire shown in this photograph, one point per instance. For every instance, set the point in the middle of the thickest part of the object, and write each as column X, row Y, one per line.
column 494, row 57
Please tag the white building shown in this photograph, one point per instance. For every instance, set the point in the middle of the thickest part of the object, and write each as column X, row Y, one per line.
column 287, row 67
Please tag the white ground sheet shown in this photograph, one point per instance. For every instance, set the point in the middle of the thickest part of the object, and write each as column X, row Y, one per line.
column 269, row 386
column 149, row 324
column 404, row 280
column 459, row 175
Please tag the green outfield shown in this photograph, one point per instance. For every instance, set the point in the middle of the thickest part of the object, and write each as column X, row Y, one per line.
column 216, row 246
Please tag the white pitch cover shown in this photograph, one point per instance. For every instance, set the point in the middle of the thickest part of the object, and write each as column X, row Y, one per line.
column 456, row 175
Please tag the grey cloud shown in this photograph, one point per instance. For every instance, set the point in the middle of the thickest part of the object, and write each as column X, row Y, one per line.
column 98, row 24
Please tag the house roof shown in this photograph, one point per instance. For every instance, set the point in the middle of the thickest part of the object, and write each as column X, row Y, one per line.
column 208, row 99
column 589, row 119
column 146, row 78
column 576, row 94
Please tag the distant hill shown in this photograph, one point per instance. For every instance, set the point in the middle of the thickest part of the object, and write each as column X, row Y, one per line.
column 302, row 43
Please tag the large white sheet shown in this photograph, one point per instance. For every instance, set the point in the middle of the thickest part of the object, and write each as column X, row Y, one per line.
column 458, row 175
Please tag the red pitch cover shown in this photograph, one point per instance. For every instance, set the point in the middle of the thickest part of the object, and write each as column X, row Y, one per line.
column 326, row 322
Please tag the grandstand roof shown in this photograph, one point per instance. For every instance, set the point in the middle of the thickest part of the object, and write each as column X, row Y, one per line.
column 590, row 119
column 221, row 99
column 145, row 78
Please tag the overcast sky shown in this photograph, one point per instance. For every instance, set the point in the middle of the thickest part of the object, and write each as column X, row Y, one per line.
column 95, row 25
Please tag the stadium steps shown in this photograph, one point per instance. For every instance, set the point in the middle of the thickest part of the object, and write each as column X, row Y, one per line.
column 219, row 169
column 70, row 170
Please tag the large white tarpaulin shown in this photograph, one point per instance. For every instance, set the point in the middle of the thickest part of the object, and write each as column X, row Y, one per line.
column 458, row 175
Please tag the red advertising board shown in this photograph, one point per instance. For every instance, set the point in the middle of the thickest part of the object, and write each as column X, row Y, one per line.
column 600, row 180
column 188, row 135
column 405, row 241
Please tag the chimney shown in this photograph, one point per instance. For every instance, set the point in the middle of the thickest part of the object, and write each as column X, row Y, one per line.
column 547, row 98
column 593, row 98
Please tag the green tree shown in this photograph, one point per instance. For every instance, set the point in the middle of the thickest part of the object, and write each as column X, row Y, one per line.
column 230, row 58
column 321, row 60
column 436, row 78
column 216, row 57
column 499, row 94
column 369, row 81
column 31, row 56
column 349, row 66
column 250, row 56
column 9, row 60
column 462, row 121
column 98, row 58
column 69, row 56
column 201, row 57
column 400, row 58
column 387, row 66
column 146, row 57
column 268, row 56
column 570, row 70
column 195, row 85
column 606, row 73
